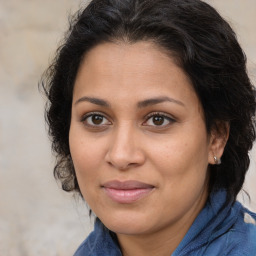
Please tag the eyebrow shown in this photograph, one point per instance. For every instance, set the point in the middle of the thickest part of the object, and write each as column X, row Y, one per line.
column 95, row 101
column 141, row 104
column 154, row 101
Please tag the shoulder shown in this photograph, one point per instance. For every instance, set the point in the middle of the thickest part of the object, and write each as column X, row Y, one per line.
column 87, row 247
column 99, row 243
column 244, row 226
column 243, row 233
column 220, row 229
column 240, row 238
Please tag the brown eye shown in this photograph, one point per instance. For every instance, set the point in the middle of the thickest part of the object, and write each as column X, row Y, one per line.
column 97, row 119
column 158, row 120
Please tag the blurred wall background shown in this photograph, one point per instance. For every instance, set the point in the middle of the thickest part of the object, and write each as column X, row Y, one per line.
column 36, row 217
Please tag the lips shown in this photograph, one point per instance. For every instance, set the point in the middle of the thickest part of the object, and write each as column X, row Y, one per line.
column 128, row 191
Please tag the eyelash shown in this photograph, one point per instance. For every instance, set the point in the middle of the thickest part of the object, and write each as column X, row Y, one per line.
column 162, row 115
column 85, row 118
column 165, row 117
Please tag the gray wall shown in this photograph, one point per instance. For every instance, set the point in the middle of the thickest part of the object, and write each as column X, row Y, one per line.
column 36, row 217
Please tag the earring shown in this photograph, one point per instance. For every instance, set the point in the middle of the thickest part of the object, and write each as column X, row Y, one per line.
column 217, row 160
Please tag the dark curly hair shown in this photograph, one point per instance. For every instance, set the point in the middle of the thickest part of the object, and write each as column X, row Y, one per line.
column 202, row 43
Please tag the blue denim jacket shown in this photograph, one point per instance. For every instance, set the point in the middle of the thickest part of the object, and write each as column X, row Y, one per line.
column 218, row 230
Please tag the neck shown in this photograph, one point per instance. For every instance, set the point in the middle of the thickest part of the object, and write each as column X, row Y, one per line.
column 162, row 242
column 149, row 245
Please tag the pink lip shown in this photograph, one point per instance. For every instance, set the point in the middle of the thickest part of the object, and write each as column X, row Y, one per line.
column 128, row 191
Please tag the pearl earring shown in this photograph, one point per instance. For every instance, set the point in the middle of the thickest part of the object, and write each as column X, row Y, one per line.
column 217, row 160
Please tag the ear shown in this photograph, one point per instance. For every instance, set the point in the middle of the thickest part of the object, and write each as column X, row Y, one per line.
column 218, row 139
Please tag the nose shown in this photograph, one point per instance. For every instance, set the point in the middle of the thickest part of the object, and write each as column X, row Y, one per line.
column 124, row 149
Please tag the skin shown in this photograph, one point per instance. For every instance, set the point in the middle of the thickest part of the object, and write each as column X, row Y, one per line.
column 127, row 143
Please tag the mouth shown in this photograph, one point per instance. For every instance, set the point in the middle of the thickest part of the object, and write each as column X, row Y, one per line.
column 128, row 191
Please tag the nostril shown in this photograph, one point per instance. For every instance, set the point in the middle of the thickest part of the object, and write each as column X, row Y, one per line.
column 120, row 165
column 124, row 162
column 128, row 166
column 124, row 151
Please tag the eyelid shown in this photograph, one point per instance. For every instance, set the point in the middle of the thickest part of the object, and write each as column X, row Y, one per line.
column 89, row 114
column 165, row 115
column 169, row 117
column 84, row 116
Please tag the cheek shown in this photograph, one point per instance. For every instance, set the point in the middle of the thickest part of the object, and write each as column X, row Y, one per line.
column 86, row 156
column 182, row 166
column 182, row 155
column 86, row 163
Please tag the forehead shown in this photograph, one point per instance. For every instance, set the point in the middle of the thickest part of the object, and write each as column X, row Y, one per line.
column 145, row 55
column 122, row 69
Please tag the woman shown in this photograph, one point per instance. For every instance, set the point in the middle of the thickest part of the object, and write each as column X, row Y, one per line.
column 150, row 113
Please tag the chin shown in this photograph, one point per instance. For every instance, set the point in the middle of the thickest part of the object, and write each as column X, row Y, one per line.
column 129, row 225
column 127, row 229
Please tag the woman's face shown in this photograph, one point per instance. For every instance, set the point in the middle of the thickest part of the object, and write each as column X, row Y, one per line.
column 138, row 139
